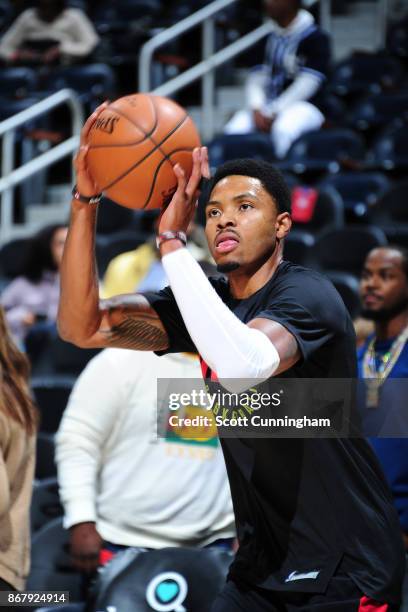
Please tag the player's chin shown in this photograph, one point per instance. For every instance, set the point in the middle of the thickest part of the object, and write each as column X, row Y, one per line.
column 227, row 264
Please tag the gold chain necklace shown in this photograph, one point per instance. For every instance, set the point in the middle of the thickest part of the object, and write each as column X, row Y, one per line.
column 375, row 377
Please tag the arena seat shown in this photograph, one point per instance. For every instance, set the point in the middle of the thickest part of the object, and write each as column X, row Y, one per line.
column 51, row 567
column 323, row 151
column 365, row 72
column 109, row 246
column 359, row 190
column 187, row 578
column 390, row 151
column 113, row 218
column 92, row 82
column 231, row 146
column 328, row 211
column 17, row 82
column 377, row 111
column 345, row 249
column 45, row 503
column 51, row 396
column 397, row 38
column 348, row 287
column 45, row 466
column 297, row 247
column 68, row 359
column 391, row 213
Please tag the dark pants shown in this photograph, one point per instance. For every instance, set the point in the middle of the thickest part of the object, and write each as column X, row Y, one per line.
column 341, row 596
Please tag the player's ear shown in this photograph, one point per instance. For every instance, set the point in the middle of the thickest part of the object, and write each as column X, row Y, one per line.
column 283, row 225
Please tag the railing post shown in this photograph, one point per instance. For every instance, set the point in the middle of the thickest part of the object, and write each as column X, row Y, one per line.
column 208, row 80
column 7, row 166
column 325, row 15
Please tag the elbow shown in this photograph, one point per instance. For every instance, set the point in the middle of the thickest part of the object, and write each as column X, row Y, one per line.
column 68, row 333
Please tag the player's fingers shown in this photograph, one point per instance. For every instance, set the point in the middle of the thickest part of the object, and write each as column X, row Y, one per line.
column 80, row 157
column 195, row 177
column 89, row 123
column 205, row 166
column 181, row 180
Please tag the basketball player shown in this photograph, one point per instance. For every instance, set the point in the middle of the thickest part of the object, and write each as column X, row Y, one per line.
column 315, row 520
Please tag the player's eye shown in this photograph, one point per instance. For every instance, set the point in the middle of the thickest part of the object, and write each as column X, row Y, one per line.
column 213, row 212
column 245, row 206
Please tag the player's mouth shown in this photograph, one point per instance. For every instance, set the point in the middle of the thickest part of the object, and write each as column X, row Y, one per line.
column 226, row 242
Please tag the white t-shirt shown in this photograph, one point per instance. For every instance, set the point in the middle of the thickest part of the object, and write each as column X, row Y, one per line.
column 113, row 469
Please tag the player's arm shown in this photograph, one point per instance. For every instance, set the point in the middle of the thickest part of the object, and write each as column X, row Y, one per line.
column 123, row 321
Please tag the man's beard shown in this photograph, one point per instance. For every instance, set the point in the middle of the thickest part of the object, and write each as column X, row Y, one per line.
column 228, row 267
column 387, row 313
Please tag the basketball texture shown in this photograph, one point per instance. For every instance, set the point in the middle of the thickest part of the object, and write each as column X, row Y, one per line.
column 134, row 145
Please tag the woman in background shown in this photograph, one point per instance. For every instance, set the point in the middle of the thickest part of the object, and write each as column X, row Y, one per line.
column 33, row 297
column 18, row 424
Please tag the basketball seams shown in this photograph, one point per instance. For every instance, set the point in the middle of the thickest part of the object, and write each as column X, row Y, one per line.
column 156, row 172
column 140, row 161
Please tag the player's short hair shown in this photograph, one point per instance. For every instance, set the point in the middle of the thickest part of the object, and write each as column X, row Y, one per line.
column 272, row 180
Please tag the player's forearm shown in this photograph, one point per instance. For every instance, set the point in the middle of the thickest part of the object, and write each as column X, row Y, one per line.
column 232, row 349
column 79, row 315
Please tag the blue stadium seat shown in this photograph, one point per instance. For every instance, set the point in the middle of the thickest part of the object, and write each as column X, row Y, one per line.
column 377, row 111
column 232, row 146
column 390, row 151
column 359, row 190
column 323, row 151
column 51, row 396
column 391, row 210
column 45, row 503
column 397, row 38
column 346, row 249
column 17, row 82
column 365, row 72
column 92, row 82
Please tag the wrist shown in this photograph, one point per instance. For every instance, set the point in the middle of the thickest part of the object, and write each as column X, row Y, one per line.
column 171, row 245
column 85, row 199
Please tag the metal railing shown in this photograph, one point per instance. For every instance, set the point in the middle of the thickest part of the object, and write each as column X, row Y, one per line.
column 210, row 59
column 11, row 176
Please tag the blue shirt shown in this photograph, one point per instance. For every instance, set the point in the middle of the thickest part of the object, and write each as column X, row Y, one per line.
column 390, row 417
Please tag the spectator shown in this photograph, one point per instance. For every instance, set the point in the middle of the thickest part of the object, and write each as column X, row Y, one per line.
column 122, row 486
column 280, row 94
column 33, row 297
column 50, row 33
column 18, row 420
column 384, row 356
column 141, row 269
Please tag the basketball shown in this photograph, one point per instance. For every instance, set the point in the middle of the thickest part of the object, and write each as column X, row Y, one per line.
column 134, row 145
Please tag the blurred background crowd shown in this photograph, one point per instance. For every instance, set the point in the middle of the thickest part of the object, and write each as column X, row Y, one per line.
column 324, row 96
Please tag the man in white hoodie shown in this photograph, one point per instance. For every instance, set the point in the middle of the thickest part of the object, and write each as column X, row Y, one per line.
column 120, row 484
column 281, row 94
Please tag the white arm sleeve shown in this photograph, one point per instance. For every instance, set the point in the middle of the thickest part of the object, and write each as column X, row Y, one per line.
column 303, row 88
column 231, row 349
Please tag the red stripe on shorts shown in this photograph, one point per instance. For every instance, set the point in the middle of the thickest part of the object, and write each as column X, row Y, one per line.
column 369, row 605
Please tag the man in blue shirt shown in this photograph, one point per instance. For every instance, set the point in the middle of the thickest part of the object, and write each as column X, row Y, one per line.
column 383, row 359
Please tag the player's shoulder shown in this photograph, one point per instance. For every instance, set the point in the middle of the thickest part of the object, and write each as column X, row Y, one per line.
column 308, row 285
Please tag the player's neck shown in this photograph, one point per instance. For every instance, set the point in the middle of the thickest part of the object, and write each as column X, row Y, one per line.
column 384, row 330
column 244, row 282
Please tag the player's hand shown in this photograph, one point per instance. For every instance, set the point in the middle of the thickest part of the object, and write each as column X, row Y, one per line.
column 180, row 212
column 85, row 546
column 85, row 183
